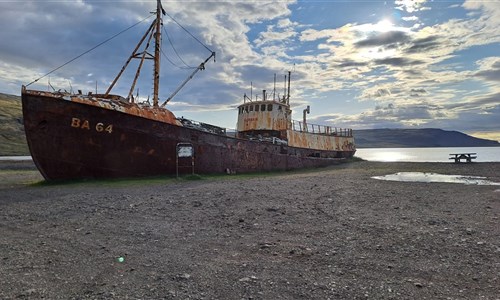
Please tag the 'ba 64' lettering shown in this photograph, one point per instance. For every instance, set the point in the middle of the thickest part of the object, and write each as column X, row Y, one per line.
column 86, row 124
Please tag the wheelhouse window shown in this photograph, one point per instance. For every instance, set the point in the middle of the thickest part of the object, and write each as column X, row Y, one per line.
column 257, row 107
column 251, row 107
column 263, row 107
column 269, row 107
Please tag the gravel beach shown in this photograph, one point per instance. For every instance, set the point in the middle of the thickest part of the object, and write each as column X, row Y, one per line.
column 330, row 233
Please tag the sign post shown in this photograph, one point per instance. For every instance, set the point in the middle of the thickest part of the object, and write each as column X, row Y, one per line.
column 184, row 150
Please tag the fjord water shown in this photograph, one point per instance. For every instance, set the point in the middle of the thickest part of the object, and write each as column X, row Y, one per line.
column 441, row 154
column 15, row 157
column 484, row 154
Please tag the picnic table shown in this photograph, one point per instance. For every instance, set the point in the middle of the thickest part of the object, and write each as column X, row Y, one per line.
column 467, row 157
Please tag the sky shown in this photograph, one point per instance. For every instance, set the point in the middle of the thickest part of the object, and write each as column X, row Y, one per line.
column 359, row 64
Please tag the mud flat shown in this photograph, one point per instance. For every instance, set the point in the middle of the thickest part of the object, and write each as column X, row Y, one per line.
column 330, row 233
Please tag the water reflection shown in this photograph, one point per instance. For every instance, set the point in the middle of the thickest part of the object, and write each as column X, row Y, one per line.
column 391, row 156
column 434, row 177
column 441, row 154
column 4, row 158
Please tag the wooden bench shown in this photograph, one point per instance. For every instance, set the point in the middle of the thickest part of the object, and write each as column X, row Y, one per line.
column 467, row 157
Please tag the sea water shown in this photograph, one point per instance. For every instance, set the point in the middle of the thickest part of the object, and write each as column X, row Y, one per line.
column 441, row 154
column 15, row 158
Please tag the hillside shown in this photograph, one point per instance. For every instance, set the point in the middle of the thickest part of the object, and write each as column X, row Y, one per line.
column 427, row 137
column 12, row 139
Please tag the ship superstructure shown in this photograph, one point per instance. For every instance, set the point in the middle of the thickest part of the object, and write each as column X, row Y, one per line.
column 270, row 119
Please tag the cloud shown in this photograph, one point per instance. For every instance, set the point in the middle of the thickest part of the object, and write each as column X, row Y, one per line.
column 418, row 93
column 490, row 9
column 272, row 36
column 384, row 39
column 308, row 35
column 424, row 44
column 397, row 61
column 410, row 18
column 423, row 114
column 411, row 6
column 351, row 63
column 389, row 116
column 489, row 69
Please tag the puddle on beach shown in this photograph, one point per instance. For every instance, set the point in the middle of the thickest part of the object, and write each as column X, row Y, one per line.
column 434, row 177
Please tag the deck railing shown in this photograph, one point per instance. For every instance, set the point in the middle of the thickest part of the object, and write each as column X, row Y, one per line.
column 296, row 126
column 320, row 129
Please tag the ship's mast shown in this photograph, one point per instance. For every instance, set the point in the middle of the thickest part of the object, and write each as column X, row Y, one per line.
column 154, row 31
column 156, row 83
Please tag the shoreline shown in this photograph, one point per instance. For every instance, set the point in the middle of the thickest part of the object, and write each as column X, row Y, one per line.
column 15, row 173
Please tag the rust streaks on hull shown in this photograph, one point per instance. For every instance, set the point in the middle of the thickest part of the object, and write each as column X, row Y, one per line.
column 320, row 142
column 112, row 102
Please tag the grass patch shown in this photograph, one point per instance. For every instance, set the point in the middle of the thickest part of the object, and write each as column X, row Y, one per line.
column 108, row 182
column 355, row 159
column 12, row 138
column 191, row 177
column 33, row 177
column 10, row 178
column 120, row 182
column 144, row 181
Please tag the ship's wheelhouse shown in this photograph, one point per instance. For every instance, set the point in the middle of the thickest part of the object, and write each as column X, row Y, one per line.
column 264, row 118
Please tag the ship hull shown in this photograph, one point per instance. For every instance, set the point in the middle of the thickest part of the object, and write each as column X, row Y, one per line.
column 70, row 140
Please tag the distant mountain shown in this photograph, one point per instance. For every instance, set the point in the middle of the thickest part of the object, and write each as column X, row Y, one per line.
column 427, row 137
column 13, row 140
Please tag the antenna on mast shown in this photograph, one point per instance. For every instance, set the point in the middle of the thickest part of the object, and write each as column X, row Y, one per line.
column 284, row 92
column 251, row 90
column 288, row 96
column 274, row 90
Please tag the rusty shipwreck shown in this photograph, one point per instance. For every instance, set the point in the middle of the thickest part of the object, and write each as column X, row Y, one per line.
column 86, row 135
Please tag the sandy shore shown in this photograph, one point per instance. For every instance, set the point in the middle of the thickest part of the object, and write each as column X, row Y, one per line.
column 332, row 233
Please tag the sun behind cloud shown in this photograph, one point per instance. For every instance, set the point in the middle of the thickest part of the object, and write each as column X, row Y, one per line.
column 384, row 25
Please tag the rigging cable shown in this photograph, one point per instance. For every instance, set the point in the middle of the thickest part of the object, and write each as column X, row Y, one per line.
column 91, row 49
column 176, row 53
column 188, row 32
column 174, row 64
